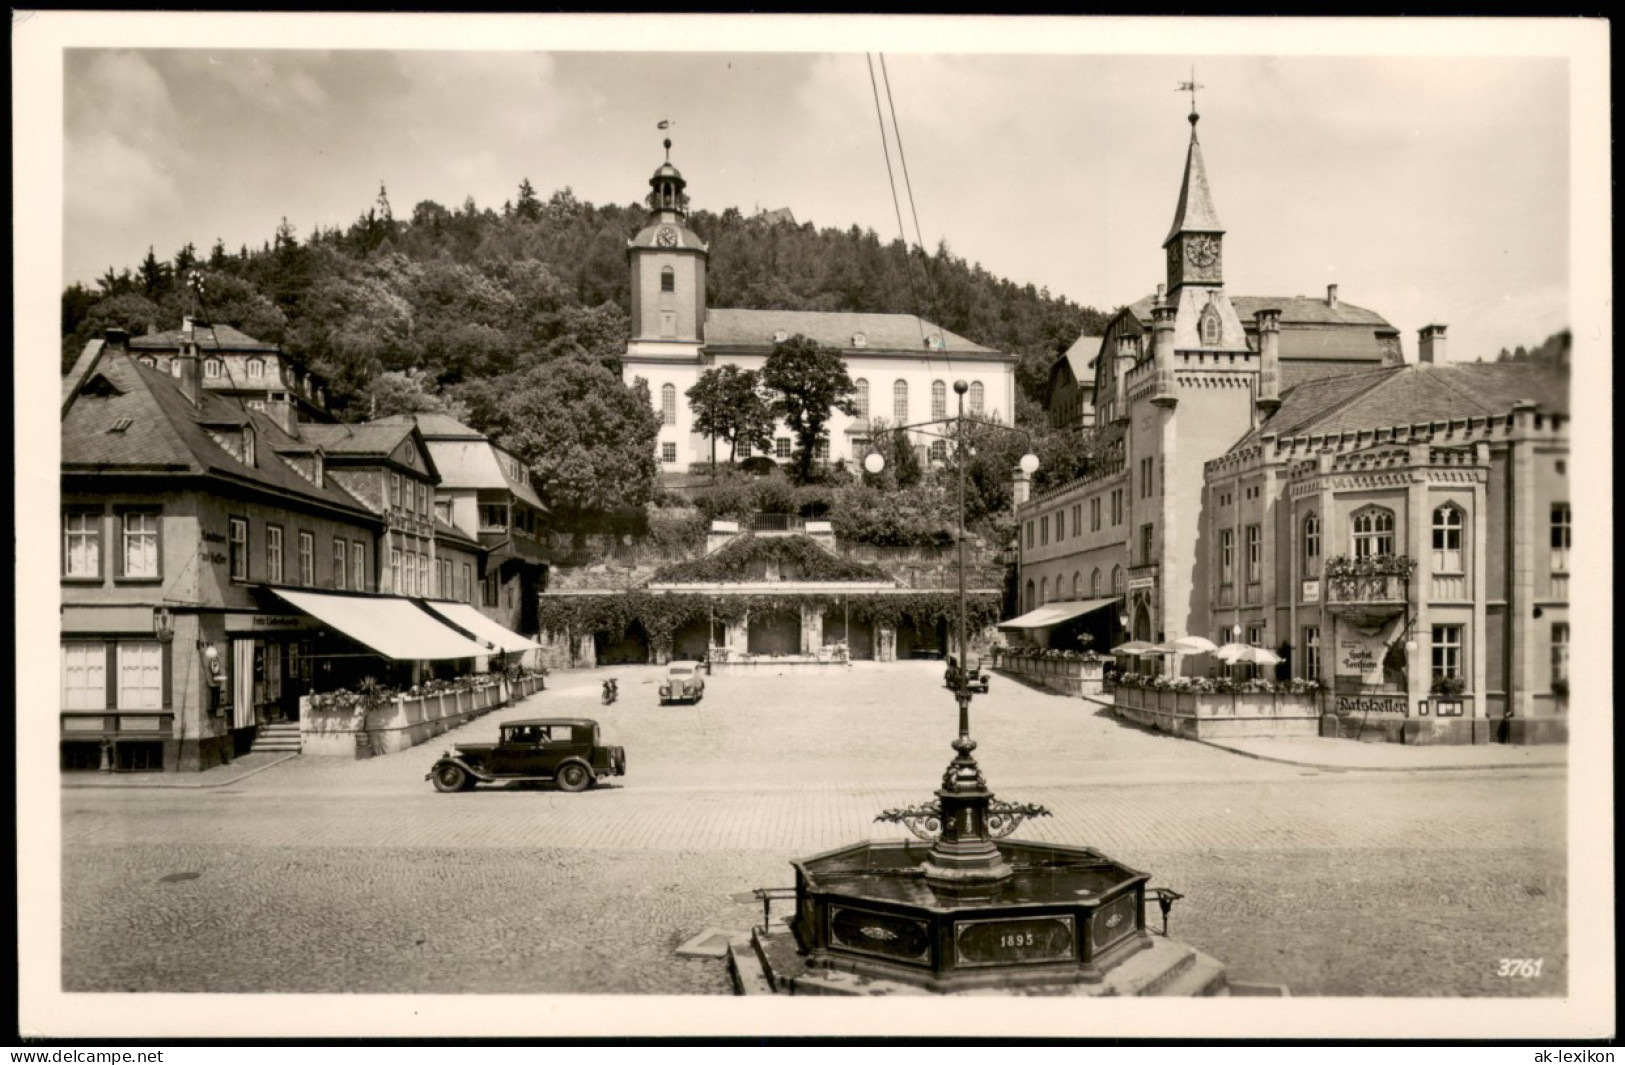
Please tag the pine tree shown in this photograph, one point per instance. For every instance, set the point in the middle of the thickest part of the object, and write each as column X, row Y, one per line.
column 529, row 208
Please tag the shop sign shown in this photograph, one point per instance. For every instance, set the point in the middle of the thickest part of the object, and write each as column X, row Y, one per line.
column 1137, row 583
column 1311, row 591
column 1360, row 652
column 266, row 622
column 1370, row 704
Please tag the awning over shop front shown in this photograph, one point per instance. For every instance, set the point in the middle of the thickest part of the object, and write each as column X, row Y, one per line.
column 392, row 626
column 1055, row 613
column 480, row 627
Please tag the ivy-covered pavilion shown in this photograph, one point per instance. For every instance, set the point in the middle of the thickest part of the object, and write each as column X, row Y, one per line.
column 756, row 596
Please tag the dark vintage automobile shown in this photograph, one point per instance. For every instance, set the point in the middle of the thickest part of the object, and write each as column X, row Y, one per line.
column 564, row 750
column 683, row 683
column 976, row 677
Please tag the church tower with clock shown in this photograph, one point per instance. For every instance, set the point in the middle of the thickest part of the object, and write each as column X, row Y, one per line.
column 668, row 274
column 1203, row 316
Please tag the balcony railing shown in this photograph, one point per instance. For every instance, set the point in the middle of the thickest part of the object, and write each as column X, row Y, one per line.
column 1376, row 579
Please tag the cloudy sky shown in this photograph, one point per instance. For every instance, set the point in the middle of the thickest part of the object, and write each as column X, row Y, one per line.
column 1429, row 187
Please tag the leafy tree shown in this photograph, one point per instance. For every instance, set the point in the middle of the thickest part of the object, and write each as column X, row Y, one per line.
column 811, row 383
column 902, row 467
column 588, row 439
column 409, row 392
column 728, row 404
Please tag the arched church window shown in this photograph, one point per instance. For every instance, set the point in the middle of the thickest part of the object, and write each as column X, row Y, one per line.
column 1077, row 582
column 1043, row 591
column 1117, row 580
column 976, row 397
column 1027, row 603
column 668, row 279
column 899, row 401
column 939, row 399
column 861, row 385
column 1094, row 584
column 668, row 404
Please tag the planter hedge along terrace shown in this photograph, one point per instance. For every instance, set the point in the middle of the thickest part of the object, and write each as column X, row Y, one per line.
column 1074, row 673
column 346, row 724
column 1199, row 708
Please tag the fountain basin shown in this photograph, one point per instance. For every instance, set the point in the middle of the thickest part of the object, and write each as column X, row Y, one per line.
column 1065, row 915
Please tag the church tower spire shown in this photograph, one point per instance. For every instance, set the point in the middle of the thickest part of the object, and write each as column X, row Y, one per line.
column 668, row 271
column 1195, row 244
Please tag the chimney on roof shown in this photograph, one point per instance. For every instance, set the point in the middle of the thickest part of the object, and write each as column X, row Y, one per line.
column 191, row 374
column 1162, row 294
column 1430, row 344
column 281, row 410
column 1331, row 296
column 118, row 340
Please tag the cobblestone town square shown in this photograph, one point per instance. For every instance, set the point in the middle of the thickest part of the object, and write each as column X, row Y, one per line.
column 324, row 875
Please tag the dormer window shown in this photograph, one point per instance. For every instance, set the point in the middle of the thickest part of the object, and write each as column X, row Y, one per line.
column 148, row 361
column 859, row 340
column 780, row 336
column 212, row 367
column 1212, row 329
column 256, row 369
column 248, row 445
column 317, row 468
column 175, row 368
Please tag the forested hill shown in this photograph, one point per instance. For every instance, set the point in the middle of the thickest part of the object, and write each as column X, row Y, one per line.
column 454, row 297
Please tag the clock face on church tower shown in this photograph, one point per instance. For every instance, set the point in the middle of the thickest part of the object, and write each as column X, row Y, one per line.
column 1203, row 251
column 666, row 237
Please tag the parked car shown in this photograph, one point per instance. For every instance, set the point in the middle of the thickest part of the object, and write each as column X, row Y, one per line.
column 565, row 750
column 683, row 683
column 976, row 677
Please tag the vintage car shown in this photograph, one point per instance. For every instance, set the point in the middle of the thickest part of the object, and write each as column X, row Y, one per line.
column 976, row 677
column 683, row 683
column 564, row 750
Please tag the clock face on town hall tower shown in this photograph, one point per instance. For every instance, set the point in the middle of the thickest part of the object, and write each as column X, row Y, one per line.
column 666, row 237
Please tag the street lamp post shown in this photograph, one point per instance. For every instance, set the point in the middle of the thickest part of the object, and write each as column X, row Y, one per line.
column 964, row 853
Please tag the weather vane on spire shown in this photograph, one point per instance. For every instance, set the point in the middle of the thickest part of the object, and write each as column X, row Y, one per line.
column 666, row 123
column 1191, row 86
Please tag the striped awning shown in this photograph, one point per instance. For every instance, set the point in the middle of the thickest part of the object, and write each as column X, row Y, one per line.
column 480, row 627
column 1055, row 613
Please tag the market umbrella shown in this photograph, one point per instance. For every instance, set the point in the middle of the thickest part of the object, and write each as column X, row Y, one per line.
column 1161, row 649
column 1231, row 652
column 1133, row 647
column 1193, row 645
column 1256, row 656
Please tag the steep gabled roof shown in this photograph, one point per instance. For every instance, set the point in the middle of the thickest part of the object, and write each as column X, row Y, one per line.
column 1406, row 395
column 434, row 426
column 885, row 333
column 149, row 426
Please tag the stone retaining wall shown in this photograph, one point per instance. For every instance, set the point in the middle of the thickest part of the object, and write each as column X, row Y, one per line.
column 1211, row 715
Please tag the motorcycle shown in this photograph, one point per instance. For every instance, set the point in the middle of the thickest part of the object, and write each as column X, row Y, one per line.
column 611, row 692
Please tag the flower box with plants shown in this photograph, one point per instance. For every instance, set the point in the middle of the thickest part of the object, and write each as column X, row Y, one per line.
column 1375, row 577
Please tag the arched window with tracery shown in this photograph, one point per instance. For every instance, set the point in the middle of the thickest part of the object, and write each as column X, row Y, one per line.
column 1043, row 591
column 1077, row 583
column 1094, row 584
column 1373, row 529
column 1118, row 584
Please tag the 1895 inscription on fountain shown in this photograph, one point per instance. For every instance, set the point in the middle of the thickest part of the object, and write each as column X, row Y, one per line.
column 1018, row 940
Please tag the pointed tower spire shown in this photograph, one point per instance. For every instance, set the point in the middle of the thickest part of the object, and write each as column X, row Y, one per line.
column 1195, row 213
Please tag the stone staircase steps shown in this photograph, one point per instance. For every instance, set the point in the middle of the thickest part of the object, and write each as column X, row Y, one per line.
column 281, row 736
